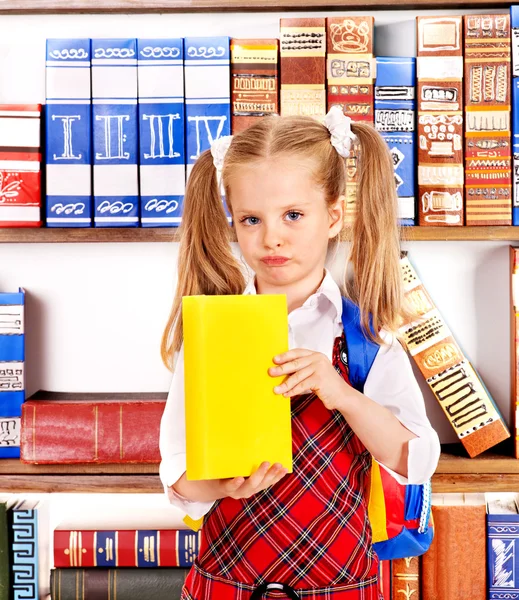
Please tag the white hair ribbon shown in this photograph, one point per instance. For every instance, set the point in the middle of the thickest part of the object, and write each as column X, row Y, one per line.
column 219, row 149
column 339, row 126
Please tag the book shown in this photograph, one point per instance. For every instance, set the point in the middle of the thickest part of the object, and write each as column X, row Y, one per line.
column 453, row 567
column 107, row 584
column 4, row 552
column 12, row 371
column 162, row 162
column 254, row 81
column 462, row 395
column 395, row 111
column 20, row 165
column 229, row 345
column 115, row 132
column 514, row 19
column 440, row 120
column 68, row 139
column 302, row 45
column 488, row 157
column 514, row 345
column 106, row 430
column 384, row 579
column 405, row 582
column 125, row 548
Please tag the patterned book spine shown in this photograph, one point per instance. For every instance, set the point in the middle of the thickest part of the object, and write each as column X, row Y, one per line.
column 161, row 127
column 460, row 392
column 303, row 67
column 440, row 121
column 208, row 93
column 12, row 371
column 502, row 556
column 395, row 120
column 68, row 134
column 514, row 322
column 24, row 553
column 115, row 126
column 254, row 76
column 514, row 17
column 20, row 159
column 488, row 156
column 126, row 548
column 104, row 432
column 406, row 578
column 351, row 67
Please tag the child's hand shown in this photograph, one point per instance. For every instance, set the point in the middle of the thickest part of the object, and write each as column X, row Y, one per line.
column 262, row 478
column 311, row 372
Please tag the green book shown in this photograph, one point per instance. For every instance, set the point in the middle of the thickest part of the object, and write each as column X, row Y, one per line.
column 4, row 553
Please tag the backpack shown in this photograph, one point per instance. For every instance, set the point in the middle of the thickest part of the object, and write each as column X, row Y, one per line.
column 400, row 515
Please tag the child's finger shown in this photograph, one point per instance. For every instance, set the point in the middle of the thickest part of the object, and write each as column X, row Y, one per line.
column 272, row 475
column 290, row 355
column 301, row 388
column 291, row 366
column 291, row 382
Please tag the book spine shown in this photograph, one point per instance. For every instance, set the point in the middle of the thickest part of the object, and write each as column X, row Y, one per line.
column 4, row 553
column 162, row 167
column 254, row 77
column 303, row 67
column 460, row 392
column 514, row 342
column 20, row 159
column 384, row 579
column 107, row 584
column 125, row 548
column 350, row 66
column 68, row 139
column 208, row 94
column 440, row 121
column 12, row 371
column 115, row 129
column 405, row 582
column 395, row 120
column 514, row 19
column 502, row 552
column 104, row 432
column 24, row 553
column 488, row 156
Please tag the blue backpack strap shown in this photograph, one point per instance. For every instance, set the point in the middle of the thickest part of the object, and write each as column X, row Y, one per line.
column 361, row 350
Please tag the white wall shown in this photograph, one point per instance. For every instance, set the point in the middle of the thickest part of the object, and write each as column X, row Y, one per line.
column 95, row 312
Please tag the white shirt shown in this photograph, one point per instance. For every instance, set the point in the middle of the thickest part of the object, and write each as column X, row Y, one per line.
column 314, row 326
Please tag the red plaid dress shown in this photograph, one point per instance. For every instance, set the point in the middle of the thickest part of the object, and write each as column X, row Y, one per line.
column 310, row 530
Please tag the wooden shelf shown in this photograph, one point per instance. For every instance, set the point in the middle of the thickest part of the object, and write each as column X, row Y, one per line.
column 171, row 234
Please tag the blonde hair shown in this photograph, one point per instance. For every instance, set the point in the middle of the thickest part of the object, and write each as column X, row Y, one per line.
column 206, row 264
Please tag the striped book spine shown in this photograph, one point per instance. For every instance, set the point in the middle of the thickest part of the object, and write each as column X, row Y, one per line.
column 303, row 67
column 488, row 156
column 208, row 93
column 12, row 371
column 395, row 120
column 24, row 553
column 115, row 127
column 20, row 170
column 440, row 121
column 254, row 77
column 514, row 18
column 68, row 138
column 161, row 127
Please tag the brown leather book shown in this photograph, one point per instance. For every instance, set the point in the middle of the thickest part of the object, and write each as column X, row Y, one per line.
column 405, row 581
column 454, row 567
column 514, row 342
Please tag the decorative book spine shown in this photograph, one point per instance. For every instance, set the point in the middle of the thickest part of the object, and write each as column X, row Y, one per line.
column 4, row 554
column 162, row 170
column 104, row 432
column 440, row 121
column 12, row 371
column 303, row 67
column 20, row 172
column 514, row 16
column 24, row 553
column 514, row 321
column 351, row 68
column 208, row 95
column 460, row 392
column 254, row 76
column 126, row 548
column 114, row 104
column 68, row 124
column 406, row 578
column 488, row 156
column 395, row 120
column 502, row 556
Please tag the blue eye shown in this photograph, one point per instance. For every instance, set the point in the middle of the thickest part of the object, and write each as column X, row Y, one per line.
column 294, row 215
column 250, row 220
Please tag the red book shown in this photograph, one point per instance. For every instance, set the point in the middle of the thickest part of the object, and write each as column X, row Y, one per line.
column 126, row 548
column 91, row 428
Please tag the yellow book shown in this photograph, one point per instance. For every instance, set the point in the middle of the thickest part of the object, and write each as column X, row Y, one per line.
column 234, row 420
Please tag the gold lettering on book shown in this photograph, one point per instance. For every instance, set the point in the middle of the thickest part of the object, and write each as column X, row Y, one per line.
column 263, row 84
column 440, row 355
column 420, row 301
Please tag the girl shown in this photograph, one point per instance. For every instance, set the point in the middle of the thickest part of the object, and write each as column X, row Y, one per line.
column 307, row 534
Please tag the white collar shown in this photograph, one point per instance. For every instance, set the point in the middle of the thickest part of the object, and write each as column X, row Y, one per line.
column 328, row 288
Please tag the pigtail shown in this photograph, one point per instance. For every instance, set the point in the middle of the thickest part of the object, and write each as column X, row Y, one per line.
column 375, row 249
column 206, row 264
